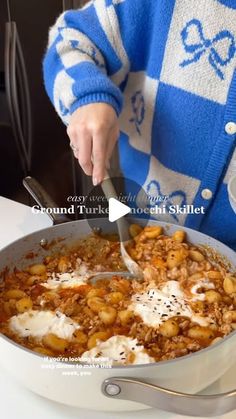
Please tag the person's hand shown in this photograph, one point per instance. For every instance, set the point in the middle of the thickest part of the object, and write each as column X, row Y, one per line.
column 93, row 131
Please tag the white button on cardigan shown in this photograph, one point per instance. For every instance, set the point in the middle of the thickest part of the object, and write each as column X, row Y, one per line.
column 230, row 128
column 206, row 194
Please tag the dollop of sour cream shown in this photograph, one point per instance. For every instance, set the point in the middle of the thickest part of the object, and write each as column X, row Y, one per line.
column 72, row 279
column 116, row 350
column 155, row 306
column 204, row 283
column 37, row 324
column 65, row 280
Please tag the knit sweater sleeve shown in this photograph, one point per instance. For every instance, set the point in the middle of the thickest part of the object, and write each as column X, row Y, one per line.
column 85, row 62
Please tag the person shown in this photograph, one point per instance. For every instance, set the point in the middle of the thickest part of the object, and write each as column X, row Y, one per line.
column 160, row 77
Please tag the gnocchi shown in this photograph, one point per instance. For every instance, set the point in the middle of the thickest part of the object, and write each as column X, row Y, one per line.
column 55, row 343
column 196, row 256
column 190, row 301
column 212, row 296
column 229, row 285
column 15, row 294
column 108, row 315
column 169, row 328
column 152, row 232
column 199, row 332
column 38, row 269
column 125, row 316
column 175, row 258
column 179, row 236
column 24, row 304
column 96, row 304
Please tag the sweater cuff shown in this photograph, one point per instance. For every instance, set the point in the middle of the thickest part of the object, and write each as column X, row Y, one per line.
column 97, row 98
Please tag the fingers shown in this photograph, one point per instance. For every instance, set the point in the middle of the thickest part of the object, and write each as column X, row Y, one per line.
column 93, row 131
column 82, row 147
column 102, row 149
column 99, row 149
column 99, row 157
column 72, row 134
column 113, row 137
column 84, row 154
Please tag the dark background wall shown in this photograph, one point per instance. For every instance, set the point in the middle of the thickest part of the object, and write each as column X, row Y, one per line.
column 51, row 160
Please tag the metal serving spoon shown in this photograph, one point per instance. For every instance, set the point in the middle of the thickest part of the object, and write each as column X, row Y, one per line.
column 44, row 200
column 94, row 277
column 123, row 228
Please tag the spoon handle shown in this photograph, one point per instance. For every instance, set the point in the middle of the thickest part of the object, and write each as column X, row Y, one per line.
column 123, row 229
column 110, row 192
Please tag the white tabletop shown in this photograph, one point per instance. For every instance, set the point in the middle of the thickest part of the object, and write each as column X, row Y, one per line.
column 16, row 220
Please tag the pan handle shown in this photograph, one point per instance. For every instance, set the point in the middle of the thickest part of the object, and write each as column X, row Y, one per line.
column 183, row 404
column 43, row 199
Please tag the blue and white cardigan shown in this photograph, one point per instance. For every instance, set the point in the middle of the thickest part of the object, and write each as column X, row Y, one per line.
column 168, row 69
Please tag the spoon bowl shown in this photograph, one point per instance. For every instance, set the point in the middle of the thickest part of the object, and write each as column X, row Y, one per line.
column 123, row 228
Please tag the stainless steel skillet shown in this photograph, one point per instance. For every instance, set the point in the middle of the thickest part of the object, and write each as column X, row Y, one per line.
column 130, row 387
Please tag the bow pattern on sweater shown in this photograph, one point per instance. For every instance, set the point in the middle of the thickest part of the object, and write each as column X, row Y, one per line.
column 208, row 46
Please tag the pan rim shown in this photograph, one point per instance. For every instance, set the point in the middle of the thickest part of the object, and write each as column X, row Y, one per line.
column 115, row 367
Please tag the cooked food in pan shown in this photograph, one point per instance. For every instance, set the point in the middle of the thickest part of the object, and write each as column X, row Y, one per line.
column 186, row 302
